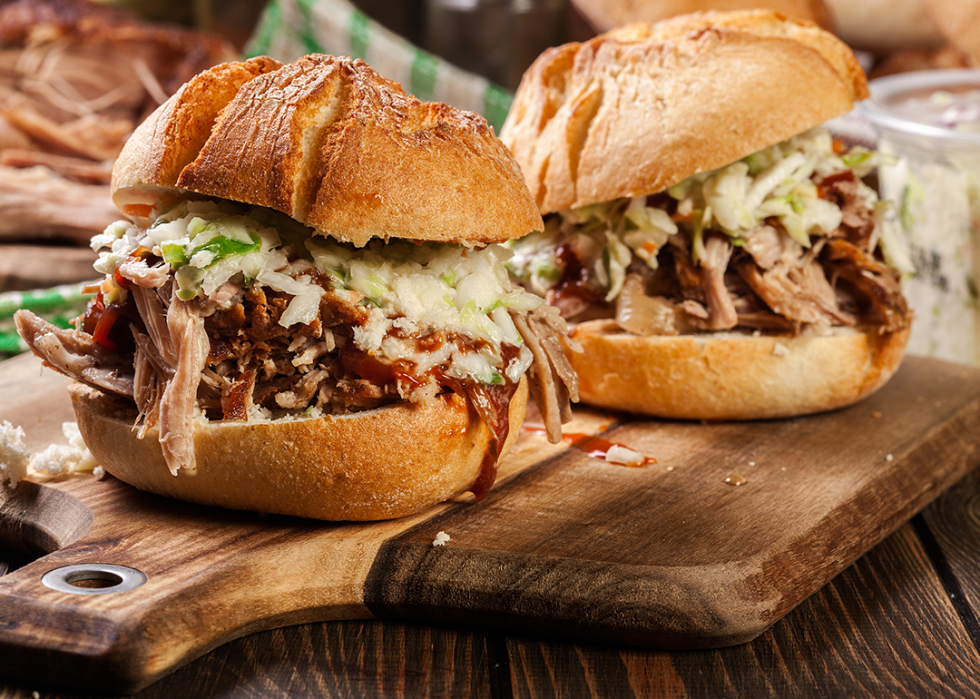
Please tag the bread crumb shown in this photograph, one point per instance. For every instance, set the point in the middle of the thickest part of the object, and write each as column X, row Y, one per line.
column 17, row 461
column 441, row 539
column 751, row 463
column 875, row 414
column 61, row 459
column 14, row 455
column 780, row 350
column 889, row 457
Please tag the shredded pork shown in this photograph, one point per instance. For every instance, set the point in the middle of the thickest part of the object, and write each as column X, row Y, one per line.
column 232, row 360
column 769, row 282
column 77, row 355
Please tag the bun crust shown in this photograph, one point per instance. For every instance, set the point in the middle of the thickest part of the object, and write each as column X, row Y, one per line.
column 378, row 464
column 731, row 376
column 333, row 144
column 607, row 14
column 638, row 109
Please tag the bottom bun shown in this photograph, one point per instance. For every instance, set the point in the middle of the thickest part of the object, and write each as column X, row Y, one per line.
column 372, row 465
column 731, row 376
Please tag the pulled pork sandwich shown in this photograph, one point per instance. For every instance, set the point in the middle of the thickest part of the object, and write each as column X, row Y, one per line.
column 307, row 312
column 718, row 253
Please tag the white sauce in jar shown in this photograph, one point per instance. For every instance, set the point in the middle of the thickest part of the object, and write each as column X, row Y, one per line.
column 934, row 133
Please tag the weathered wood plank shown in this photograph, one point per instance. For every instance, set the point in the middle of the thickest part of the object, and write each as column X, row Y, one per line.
column 884, row 627
column 952, row 535
column 346, row 660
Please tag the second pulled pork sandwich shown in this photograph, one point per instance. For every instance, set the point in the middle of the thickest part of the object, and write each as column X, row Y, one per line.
column 719, row 254
column 307, row 312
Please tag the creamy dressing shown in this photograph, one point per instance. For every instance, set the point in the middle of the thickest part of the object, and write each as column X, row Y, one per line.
column 959, row 110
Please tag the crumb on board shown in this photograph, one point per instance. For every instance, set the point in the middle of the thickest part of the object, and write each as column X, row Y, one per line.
column 14, row 456
column 441, row 539
column 17, row 461
column 889, row 457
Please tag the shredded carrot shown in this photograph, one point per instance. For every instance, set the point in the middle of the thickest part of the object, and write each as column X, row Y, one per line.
column 649, row 248
column 137, row 209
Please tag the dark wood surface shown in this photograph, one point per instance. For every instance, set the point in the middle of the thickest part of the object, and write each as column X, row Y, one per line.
column 901, row 621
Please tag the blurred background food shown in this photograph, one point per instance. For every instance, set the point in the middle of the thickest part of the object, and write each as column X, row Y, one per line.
column 75, row 80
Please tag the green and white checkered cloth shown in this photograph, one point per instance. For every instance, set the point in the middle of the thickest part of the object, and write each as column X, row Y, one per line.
column 59, row 305
column 287, row 30
column 290, row 29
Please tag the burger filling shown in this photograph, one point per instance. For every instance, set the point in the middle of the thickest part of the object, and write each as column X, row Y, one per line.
column 228, row 312
column 788, row 239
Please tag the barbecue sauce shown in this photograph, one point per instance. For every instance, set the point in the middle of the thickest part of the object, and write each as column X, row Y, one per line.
column 492, row 403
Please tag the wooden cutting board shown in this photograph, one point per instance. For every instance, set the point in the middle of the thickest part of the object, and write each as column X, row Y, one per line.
column 670, row 555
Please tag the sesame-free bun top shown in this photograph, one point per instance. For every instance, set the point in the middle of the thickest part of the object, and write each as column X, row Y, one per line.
column 333, row 144
column 638, row 109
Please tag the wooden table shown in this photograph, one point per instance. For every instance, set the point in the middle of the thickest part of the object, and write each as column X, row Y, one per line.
column 901, row 621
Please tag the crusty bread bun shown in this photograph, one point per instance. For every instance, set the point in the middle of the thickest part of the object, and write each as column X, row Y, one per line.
column 364, row 365
column 379, row 464
column 602, row 129
column 729, row 375
column 641, row 108
column 336, row 146
column 604, row 15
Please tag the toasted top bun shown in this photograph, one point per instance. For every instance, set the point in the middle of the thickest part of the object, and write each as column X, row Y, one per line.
column 334, row 145
column 378, row 464
column 607, row 14
column 637, row 110
column 732, row 375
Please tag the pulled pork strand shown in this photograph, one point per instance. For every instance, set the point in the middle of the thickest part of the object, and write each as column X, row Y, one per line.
column 553, row 382
column 76, row 354
column 186, row 326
